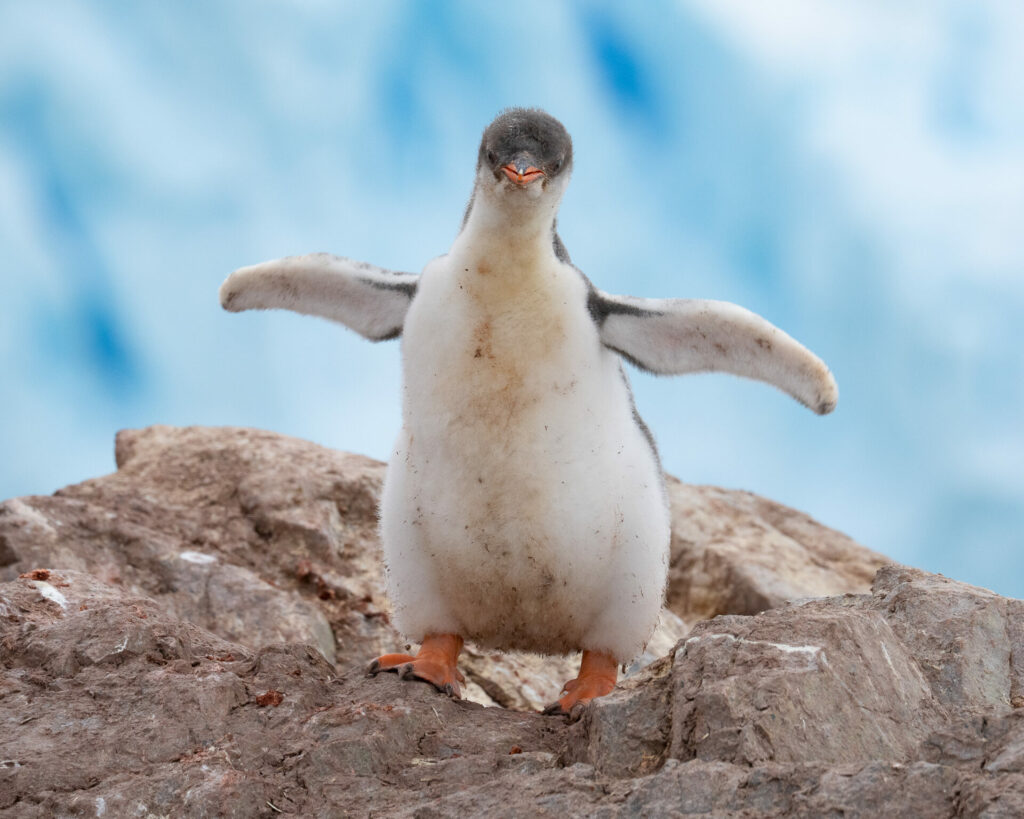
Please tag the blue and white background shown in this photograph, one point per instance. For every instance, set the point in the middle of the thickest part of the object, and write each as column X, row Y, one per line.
column 852, row 170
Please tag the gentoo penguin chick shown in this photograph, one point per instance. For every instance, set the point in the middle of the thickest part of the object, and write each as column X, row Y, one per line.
column 524, row 506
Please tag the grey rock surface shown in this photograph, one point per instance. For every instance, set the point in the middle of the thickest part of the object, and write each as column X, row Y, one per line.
column 738, row 553
column 110, row 706
column 167, row 636
column 262, row 538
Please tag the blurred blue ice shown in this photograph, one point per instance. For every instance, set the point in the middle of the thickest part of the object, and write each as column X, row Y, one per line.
column 854, row 171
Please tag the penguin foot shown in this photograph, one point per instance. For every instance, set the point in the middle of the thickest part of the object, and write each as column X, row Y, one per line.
column 434, row 663
column 598, row 672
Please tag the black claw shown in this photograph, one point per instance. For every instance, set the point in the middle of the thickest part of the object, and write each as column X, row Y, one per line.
column 577, row 711
column 554, row 710
column 404, row 671
column 449, row 690
column 373, row 668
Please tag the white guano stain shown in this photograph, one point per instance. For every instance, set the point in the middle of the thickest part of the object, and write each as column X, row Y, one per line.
column 810, row 651
column 101, row 806
column 50, row 593
column 787, row 648
column 888, row 659
column 197, row 557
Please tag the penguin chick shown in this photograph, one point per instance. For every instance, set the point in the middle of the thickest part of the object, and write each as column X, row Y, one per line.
column 524, row 506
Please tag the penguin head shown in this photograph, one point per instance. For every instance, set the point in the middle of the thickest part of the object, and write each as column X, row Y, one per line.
column 525, row 158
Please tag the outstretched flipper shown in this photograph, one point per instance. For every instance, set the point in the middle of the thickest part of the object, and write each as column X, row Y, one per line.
column 677, row 336
column 370, row 300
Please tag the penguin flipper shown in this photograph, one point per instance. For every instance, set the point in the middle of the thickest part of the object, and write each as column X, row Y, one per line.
column 677, row 336
column 368, row 299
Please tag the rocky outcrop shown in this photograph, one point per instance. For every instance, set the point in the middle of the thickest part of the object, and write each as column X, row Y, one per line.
column 261, row 538
column 841, row 680
column 186, row 637
column 737, row 553
column 110, row 706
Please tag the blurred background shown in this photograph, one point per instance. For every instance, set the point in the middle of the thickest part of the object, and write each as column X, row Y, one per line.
column 853, row 171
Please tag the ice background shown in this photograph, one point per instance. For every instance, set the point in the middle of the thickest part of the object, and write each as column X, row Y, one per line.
column 853, row 171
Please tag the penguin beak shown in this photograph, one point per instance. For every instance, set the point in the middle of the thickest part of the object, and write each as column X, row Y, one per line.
column 521, row 172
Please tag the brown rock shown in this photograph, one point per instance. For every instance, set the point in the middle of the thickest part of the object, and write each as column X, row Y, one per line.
column 780, row 687
column 272, row 698
column 261, row 538
column 895, row 702
column 172, row 719
column 843, row 680
column 963, row 636
column 737, row 553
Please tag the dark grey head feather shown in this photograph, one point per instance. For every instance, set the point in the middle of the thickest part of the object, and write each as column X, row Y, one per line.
column 531, row 137
column 519, row 132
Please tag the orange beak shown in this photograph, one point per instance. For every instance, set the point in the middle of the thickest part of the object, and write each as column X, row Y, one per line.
column 524, row 176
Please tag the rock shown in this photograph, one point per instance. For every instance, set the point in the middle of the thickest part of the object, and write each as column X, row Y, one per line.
column 721, row 789
column 179, row 619
column 261, row 538
column 178, row 721
column 848, row 679
column 87, row 665
column 963, row 636
column 737, row 553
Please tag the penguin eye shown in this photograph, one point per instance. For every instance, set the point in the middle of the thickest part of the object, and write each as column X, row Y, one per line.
column 491, row 157
column 557, row 166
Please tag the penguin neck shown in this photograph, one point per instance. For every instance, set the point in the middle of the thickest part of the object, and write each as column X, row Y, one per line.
column 521, row 233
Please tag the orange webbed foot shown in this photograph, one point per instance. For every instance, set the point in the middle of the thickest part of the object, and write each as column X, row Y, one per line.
column 434, row 663
column 598, row 672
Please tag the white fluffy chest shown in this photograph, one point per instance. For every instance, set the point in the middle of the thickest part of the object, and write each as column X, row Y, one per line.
column 521, row 483
column 492, row 343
